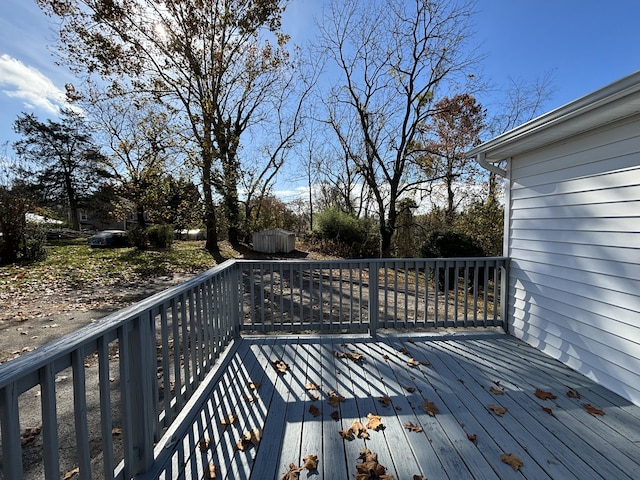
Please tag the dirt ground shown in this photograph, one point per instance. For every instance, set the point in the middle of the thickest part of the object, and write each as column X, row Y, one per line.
column 30, row 319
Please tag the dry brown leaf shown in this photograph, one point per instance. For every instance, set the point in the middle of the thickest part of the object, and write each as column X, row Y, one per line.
column 511, row 459
column 251, row 398
column 410, row 389
column 548, row 410
column 370, row 468
column 313, row 395
column 404, row 351
column 254, row 385
column 228, row 420
column 280, row 366
column 293, row 473
column 419, row 477
column 592, row 410
column 497, row 410
column 249, row 438
column 313, row 410
column 571, row 393
column 374, row 422
column 412, row 363
column 335, row 415
column 496, row 391
column 430, row 407
column 356, row 357
column 414, row 428
column 386, row 401
column 472, row 437
column 71, row 473
column 347, row 434
column 204, row 444
column 542, row 395
column 116, row 431
column 311, row 386
column 385, row 358
column 211, row 471
column 310, row 462
column 335, row 399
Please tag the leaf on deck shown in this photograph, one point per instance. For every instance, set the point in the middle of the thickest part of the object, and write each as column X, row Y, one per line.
column 385, row 358
column 313, row 395
column 116, row 431
column 386, row 401
column 404, row 351
column 254, row 385
column 280, row 366
column 204, row 444
column 311, row 386
column 228, row 420
column 315, row 411
column 310, row 462
column 249, row 438
column 369, row 468
column 211, row 471
column 511, row 459
column 414, row 428
column 412, row 362
column 356, row 429
column 472, row 437
column 548, row 410
column 571, row 393
column 293, row 473
column 419, row 477
column 374, row 422
column 426, row 363
column 430, row 407
column 410, row 389
column 335, row 415
column 496, row 391
column 543, row 395
column 354, row 356
column 335, row 399
column 497, row 410
column 250, row 398
column 592, row 410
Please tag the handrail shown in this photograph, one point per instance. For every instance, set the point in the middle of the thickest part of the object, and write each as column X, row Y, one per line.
column 152, row 356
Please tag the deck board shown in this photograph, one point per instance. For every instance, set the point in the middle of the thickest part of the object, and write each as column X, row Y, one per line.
column 571, row 443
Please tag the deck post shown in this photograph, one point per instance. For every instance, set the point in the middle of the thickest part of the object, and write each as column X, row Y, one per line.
column 10, row 428
column 236, row 306
column 374, row 279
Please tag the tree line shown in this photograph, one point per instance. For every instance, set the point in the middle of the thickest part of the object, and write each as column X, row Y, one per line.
column 188, row 112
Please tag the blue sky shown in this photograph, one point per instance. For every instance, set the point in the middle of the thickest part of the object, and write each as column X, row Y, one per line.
column 586, row 44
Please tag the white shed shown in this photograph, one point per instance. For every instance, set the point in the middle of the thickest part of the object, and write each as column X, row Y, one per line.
column 274, row 240
column 572, row 232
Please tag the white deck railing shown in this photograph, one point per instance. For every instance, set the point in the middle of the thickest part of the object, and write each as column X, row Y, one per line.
column 149, row 358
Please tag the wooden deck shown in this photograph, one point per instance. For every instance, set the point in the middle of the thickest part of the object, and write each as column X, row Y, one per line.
column 565, row 443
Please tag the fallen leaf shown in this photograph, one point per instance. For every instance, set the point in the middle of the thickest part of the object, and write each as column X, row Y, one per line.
column 410, row 389
column 414, row 428
column 204, row 444
column 430, row 407
column 311, row 386
column 254, row 385
column 313, row 396
column 211, row 471
column 335, row 399
column 293, row 473
column 347, row 434
column 370, row 468
column 404, row 351
column 548, row 410
column 571, row 393
column 250, row 398
column 313, row 410
column 280, row 366
column 356, row 429
column 356, row 357
column 386, row 401
column 71, row 473
column 542, row 395
column 310, row 462
column 419, row 477
column 228, row 420
column 511, row 459
column 116, row 431
column 426, row 363
column 496, row 391
column 374, row 422
column 385, row 358
column 472, row 437
column 335, row 415
column 497, row 410
column 249, row 438
column 592, row 410
column 412, row 363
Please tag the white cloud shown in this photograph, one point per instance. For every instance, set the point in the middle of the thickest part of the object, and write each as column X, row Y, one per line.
column 21, row 81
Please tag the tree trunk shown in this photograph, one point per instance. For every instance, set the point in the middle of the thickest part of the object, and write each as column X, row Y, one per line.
column 210, row 221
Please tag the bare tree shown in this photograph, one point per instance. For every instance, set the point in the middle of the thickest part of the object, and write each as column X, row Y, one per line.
column 392, row 57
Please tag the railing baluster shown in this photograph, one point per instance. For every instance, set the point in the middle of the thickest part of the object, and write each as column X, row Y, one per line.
column 49, row 422
column 106, row 422
column 10, row 429
column 80, row 412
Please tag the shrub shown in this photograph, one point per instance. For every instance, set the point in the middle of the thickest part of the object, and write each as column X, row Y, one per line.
column 138, row 237
column 160, row 236
column 334, row 224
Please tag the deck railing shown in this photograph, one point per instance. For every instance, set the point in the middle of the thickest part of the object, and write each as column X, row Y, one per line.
column 133, row 371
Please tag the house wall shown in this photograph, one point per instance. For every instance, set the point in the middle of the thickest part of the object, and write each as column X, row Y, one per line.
column 574, row 243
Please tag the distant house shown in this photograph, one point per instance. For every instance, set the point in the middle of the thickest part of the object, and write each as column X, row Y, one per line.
column 572, row 232
column 274, row 240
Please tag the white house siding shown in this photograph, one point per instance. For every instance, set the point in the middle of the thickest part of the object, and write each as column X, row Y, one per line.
column 574, row 243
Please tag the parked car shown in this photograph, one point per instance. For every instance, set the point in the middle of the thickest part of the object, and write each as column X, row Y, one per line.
column 109, row 238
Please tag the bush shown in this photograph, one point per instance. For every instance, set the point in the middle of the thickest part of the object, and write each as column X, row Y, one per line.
column 334, row 224
column 160, row 236
column 138, row 237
